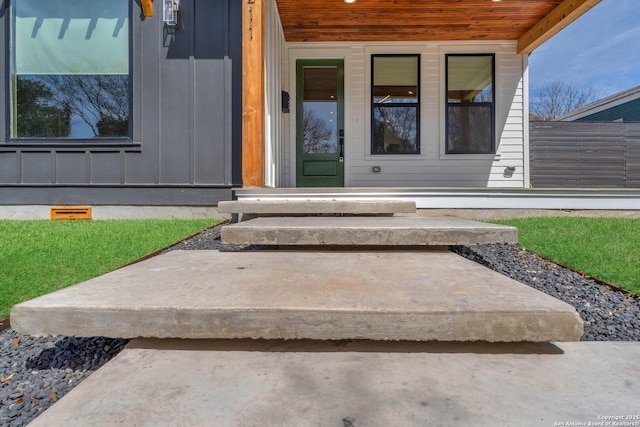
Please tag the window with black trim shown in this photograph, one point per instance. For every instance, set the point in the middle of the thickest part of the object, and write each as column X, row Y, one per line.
column 69, row 69
column 470, row 104
column 395, row 104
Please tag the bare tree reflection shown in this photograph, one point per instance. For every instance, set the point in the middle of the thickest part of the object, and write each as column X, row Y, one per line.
column 318, row 135
column 100, row 101
column 395, row 129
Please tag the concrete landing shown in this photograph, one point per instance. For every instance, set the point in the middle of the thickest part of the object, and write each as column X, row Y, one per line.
column 375, row 231
column 317, row 207
column 163, row 383
column 377, row 295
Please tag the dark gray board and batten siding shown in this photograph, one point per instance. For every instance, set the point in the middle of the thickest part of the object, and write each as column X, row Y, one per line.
column 585, row 155
column 186, row 122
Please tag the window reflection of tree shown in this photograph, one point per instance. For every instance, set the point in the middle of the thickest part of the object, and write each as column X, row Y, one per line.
column 39, row 117
column 395, row 129
column 100, row 101
column 318, row 135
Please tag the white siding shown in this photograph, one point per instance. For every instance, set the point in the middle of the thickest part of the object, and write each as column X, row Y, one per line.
column 432, row 167
column 275, row 54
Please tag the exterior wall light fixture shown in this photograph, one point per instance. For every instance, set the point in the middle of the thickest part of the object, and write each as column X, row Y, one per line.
column 170, row 9
column 509, row 171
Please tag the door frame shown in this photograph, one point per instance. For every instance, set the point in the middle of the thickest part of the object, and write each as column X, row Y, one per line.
column 299, row 65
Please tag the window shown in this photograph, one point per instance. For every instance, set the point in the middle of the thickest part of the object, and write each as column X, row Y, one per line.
column 470, row 104
column 69, row 69
column 395, row 108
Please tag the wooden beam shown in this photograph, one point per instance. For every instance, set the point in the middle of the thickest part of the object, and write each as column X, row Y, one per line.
column 147, row 7
column 564, row 14
column 253, row 110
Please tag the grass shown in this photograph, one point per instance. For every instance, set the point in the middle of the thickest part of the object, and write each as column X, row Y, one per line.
column 607, row 249
column 39, row 257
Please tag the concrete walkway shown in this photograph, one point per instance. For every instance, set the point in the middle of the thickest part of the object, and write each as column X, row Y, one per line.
column 275, row 383
column 430, row 297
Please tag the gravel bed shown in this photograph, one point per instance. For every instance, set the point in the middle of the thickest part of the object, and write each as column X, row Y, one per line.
column 36, row 372
column 608, row 314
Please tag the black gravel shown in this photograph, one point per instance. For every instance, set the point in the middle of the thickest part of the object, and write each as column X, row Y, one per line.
column 36, row 372
column 609, row 314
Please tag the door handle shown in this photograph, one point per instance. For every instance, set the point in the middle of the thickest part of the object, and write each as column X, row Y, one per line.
column 341, row 143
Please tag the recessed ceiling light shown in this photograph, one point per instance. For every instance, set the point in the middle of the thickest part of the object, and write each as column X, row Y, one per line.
column 349, row 1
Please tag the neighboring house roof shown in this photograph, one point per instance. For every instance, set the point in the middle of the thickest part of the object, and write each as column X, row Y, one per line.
column 622, row 106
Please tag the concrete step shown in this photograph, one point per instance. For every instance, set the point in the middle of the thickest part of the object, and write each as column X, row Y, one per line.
column 231, row 383
column 334, row 295
column 317, row 207
column 374, row 231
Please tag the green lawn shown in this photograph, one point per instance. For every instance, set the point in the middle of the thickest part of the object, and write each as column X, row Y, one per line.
column 38, row 257
column 607, row 249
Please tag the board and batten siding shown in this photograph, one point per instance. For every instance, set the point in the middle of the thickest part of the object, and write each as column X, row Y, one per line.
column 186, row 121
column 432, row 167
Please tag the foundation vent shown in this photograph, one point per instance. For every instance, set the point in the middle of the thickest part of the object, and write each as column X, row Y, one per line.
column 71, row 212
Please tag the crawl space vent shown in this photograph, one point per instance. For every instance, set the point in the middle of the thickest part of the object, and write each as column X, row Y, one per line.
column 71, row 212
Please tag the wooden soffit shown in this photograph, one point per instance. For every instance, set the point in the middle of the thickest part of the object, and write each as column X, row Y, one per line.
column 428, row 20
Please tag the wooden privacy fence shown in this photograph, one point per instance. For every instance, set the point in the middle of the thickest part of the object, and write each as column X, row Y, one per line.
column 585, row 155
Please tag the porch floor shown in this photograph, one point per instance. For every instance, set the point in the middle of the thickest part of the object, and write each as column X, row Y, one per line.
column 462, row 197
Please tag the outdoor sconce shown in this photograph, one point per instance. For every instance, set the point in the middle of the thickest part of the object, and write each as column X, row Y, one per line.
column 508, row 171
column 170, row 9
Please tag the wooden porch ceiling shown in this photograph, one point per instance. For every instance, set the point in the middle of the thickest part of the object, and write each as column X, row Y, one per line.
column 531, row 22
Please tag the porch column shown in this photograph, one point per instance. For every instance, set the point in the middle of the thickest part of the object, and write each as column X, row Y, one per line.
column 253, row 144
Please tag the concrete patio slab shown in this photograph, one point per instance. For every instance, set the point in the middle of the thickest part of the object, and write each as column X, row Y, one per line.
column 378, row 295
column 374, row 231
column 198, row 383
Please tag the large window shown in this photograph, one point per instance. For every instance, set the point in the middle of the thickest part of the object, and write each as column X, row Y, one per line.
column 395, row 110
column 69, row 69
column 470, row 104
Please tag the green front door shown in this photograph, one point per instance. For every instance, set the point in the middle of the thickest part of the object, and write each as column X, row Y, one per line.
column 320, row 123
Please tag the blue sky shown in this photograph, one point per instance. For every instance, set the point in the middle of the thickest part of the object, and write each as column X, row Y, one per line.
column 600, row 50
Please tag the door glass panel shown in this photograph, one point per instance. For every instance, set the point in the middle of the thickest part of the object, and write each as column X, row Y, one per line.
column 320, row 110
